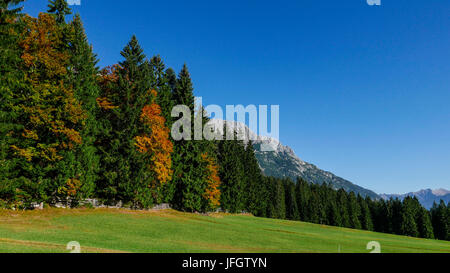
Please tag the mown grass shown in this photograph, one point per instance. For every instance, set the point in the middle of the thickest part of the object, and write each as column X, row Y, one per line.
column 168, row 231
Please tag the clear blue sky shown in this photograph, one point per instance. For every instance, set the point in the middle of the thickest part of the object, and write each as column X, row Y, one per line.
column 364, row 91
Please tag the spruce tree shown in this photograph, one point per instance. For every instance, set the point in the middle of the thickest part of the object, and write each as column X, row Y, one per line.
column 189, row 171
column 354, row 211
column 254, row 185
column 290, row 200
column 334, row 217
column 302, row 191
column 440, row 221
column 163, row 84
column 171, row 78
column 395, row 211
column 11, row 82
column 83, row 73
column 125, row 92
column 60, row 8
column 232, row 174
column 279, row 203
column 365, row 217
column 424, row 224
column 314, row 210
column 342, row 201
column 408, row 224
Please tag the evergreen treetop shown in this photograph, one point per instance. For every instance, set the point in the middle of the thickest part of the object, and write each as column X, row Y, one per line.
column 60, row 8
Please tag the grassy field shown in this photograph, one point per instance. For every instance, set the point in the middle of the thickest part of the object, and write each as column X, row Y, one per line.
column 108, row 230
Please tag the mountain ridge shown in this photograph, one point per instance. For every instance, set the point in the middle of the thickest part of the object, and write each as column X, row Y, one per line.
column 278, row 160
column 426, row 197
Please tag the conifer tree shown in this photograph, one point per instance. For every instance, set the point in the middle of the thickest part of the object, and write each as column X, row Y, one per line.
column 11, row 82
column 60, row 8
column 231, row 173
column 424, row 224
column 83, row 74
column 189, row 172
column 278, row 199
column 354, row 211
column 171, row 79
column 125, row 90
column 440, row 221
column 303, row 195
column 290, row 200
column 314, row 210
column 342, row 201
column 254, row 185
column 333, row 214
column 365, row 217
column 164, row 88
column 395, row 210
column 408, row 224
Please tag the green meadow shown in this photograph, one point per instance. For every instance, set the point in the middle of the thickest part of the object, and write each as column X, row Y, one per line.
column 168, row 231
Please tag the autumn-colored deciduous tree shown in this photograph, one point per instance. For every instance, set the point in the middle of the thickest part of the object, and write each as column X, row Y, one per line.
column 52, row 115
column 212, row 190
column 156, row 142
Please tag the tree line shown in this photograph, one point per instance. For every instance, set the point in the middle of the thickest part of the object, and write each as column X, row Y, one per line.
column 322, row 204
column 71, row 131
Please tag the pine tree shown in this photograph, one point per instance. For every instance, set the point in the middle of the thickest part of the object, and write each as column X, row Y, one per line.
column 381, row 217
column 303, row 195
column 189, row 170
column 314, row 211
column 424, row 224
column 164, row 88
column 395, row 211
column 125, row 91
column 232, row 174
column 365, row 217
column 11, row 81
column 171, row 78
column 440, row 221
column 448, row 222
column 334, row 217
column 60, row 8
column 354, row 211
column 290, row 200
column 323, row 200
column 253, row 176
column 342, row 201
column 278, row 199
column 83, row 73
column 408, row 224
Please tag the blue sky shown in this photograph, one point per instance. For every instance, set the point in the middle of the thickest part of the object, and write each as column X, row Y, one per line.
column 363, row 90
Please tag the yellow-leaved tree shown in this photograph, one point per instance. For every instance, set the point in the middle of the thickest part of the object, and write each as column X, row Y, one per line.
column 156, row 143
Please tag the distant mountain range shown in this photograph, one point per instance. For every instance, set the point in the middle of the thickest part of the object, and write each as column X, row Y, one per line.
column 426, row 197
column 278, row 160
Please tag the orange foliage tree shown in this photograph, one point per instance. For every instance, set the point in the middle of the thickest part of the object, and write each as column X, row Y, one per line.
column 52, row 116
column 212, row 191
column 156, row 142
